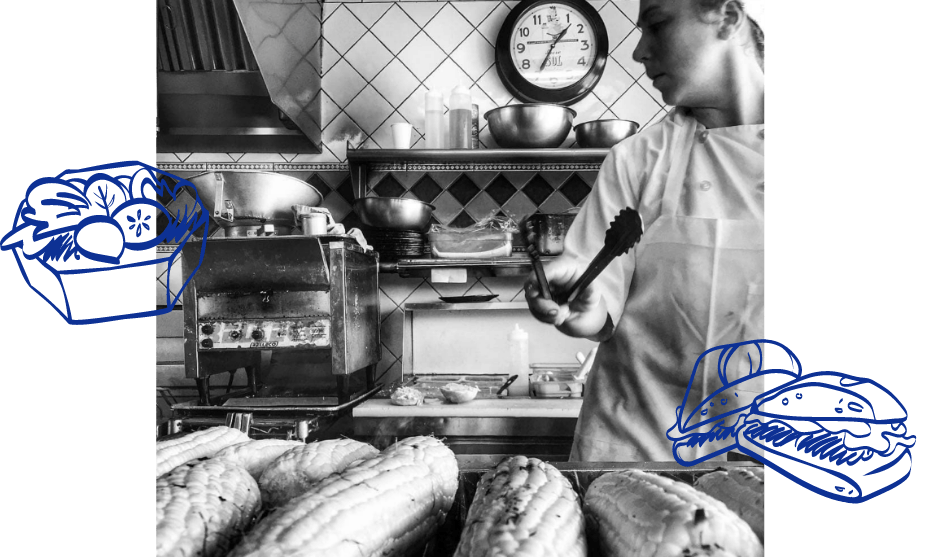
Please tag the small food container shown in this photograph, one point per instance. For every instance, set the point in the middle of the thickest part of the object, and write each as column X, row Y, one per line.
column 550, row 231
column 555, row 381
column 459, row 392
column 479, row 244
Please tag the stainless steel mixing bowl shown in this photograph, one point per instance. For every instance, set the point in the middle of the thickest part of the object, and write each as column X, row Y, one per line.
column 394, row 213
column 256, row 197
column 603, row 133
column 530, row 126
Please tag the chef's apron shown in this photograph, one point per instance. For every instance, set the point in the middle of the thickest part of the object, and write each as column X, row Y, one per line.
column 698, row 283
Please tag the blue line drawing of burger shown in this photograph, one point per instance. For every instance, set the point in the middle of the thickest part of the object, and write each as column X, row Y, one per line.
column 80, row 236
column 838, row 435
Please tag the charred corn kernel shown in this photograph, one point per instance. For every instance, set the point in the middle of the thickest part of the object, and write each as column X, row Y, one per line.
column 639, row 514
column 523, row 507
column 389, row 504
column 203, row 507
column 742, row 490
column 256, row 455
column 206, row 442
column 295, row 471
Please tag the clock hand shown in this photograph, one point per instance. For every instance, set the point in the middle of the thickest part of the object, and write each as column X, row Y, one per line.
column 547, row 54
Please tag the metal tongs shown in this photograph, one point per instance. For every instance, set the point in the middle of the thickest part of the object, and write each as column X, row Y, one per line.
column 624, row 232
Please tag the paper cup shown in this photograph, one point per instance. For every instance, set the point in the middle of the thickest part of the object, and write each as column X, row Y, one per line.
column 402, row 133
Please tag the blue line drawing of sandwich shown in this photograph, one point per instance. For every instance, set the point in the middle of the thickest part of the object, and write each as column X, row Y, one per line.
column 841, row 436
column 84, row 234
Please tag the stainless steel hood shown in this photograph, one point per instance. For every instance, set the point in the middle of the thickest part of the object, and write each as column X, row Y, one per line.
column 228, row 87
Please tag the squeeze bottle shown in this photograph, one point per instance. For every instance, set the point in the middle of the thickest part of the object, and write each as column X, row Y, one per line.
column 435, row 120
column 459, row 118
column 518, row 341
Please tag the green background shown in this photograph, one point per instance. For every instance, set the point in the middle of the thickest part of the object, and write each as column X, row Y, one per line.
column 846, row 263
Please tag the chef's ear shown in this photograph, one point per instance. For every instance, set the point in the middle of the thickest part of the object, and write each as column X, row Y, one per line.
column 733, row 18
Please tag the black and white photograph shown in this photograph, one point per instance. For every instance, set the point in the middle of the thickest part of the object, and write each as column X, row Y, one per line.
column 465, row 278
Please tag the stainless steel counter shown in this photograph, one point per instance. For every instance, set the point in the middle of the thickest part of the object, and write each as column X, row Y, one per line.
column 509, row 407
column 543, row 428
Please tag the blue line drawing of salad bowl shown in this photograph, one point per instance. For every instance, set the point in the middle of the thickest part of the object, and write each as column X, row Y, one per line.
column 85, row 234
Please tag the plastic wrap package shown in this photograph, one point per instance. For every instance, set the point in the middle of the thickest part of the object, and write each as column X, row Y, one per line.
column 485, row 239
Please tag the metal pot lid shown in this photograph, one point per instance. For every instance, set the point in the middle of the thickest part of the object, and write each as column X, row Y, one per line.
column 235, row 198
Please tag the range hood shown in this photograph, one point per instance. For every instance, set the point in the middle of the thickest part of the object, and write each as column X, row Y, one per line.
column 239, row 76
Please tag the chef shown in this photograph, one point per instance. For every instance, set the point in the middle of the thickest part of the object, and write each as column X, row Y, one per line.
column 696, row 278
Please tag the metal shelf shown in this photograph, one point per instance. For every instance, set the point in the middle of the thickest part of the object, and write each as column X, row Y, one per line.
column 476, row 156
column 513, row 265
column 468, row 159
column 480, row 306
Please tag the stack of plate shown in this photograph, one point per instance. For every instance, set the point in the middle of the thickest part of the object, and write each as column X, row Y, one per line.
column 395, row 244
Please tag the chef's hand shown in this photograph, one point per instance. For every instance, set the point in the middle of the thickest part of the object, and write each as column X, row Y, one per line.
column 585, row 316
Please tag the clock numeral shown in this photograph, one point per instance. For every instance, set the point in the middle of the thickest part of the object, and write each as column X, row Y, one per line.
column 525, row 64
column 582, row 61
column 523, row 31
column 568, row 18
column 537, row 20
column 520, row 48
column 586, row 46
column 580, row 27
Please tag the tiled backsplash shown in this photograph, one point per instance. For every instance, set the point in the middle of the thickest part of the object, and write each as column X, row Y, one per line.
column 379, row 59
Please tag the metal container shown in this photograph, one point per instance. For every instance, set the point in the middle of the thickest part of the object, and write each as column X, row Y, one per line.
column 533, row 125
column 394, row 213
column 242, row 201
column 550, row 231
column 603, row 133
column 555, row 381
column 471, row 467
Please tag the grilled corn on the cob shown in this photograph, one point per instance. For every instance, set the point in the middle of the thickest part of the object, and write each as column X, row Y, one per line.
column 257, row 454
column 524, row 507
column 742, row 490
column 638, row 514
column 202, row 508
column 386, row 505
column 206, row 442
column 295, row 471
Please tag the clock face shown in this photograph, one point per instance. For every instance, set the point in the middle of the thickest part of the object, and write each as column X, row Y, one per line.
column 551, row 52
column 553, row 45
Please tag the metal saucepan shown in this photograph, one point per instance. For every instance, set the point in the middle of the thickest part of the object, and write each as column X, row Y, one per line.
column 603, row 133
column 246, row 199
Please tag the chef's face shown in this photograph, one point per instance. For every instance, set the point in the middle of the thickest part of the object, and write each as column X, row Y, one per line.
column 681, row 50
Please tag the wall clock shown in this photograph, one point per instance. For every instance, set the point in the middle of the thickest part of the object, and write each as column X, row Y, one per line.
column 552, row 52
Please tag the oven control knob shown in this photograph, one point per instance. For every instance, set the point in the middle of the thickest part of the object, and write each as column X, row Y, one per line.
column 234, row 335
column 206, row 343
column 207, row 329
column 258, row 334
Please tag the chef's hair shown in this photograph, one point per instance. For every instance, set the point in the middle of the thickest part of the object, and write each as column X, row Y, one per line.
column 756, row 31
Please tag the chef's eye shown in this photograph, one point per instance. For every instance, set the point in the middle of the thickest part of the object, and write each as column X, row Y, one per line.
column 656, row 26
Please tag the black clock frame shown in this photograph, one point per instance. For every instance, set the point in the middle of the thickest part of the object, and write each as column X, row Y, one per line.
column 526, row 91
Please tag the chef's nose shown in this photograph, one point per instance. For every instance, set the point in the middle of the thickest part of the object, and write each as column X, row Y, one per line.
column 641, row 51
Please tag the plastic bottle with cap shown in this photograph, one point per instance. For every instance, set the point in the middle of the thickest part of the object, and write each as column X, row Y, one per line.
column 518, row 341
column 435, row 120
column 459, row 118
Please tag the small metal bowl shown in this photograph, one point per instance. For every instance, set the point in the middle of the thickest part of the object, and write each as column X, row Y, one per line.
column 394, row 213
column 530, row 126
column 603, row 133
